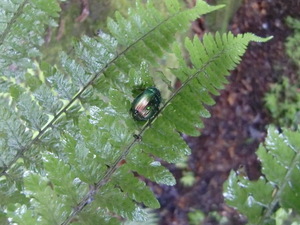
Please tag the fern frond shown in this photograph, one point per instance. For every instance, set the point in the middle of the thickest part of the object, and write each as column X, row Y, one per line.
column 107, row 60
column 82, row 149
column 229, row 51
column 212, row 59
column 280, row 157
column 152, row 219
column 21, row 33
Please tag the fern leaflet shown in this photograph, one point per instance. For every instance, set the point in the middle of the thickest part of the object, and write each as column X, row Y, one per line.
column 258, row 200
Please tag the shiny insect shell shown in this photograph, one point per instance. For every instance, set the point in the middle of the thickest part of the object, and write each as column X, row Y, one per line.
column 146, row 104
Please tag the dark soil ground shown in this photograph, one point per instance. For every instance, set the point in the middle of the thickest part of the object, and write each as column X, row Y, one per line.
column 239, row 118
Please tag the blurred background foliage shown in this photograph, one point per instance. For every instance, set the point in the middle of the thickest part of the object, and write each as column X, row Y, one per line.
column 293, row 41
column 283, row 98
column 79, row 17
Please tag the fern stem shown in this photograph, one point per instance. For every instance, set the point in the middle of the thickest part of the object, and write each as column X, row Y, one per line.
column 77, row 96
column 12, row 21
column 284, row 183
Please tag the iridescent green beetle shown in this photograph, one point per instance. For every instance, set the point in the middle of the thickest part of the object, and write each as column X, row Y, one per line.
column 146, row 104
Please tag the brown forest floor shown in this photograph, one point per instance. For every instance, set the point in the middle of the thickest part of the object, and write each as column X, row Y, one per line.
column 239, row 119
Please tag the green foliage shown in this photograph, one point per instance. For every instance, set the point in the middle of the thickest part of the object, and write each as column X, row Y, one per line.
column 188, row 179
column 293, row 42
column 73, row 26
column 283, row 101
column 258, row 200
column 286, row 217
column 152, row 219
column 197, row 217
column 70, row 148
column 22, row 28
column 283, row 98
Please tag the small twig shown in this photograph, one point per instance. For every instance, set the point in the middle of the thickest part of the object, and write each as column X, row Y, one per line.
column 48, row 35
column 85, row 12
column 61, row 29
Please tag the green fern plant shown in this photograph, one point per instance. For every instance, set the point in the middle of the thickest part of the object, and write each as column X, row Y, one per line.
column 196, row 217
column 279, row 187
column 69, row 144
column 283, row 101
column 292, row 42
column 152, row 219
